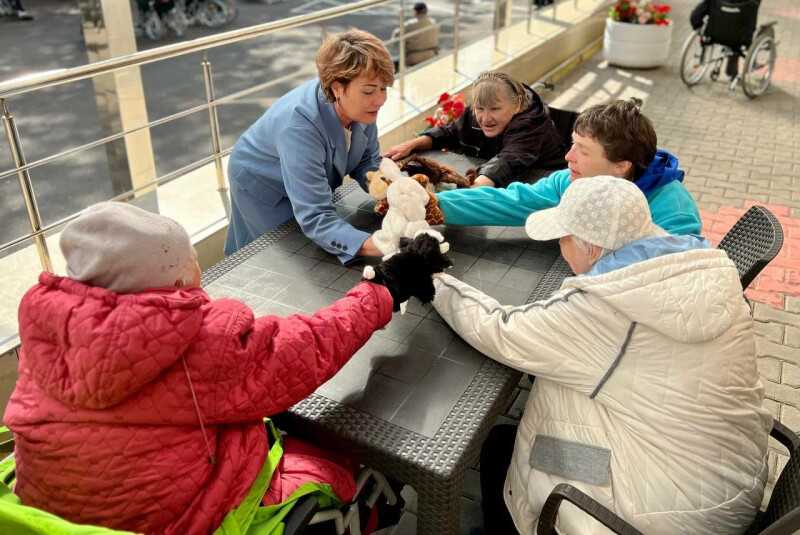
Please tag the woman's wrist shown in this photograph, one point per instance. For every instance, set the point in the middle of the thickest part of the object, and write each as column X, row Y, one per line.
column 368, row 248
column 423, row 142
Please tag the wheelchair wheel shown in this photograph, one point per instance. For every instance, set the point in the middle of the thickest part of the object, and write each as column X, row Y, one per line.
column 759, row 64
column 694, row 58
column 233, row 11
column 213, row 14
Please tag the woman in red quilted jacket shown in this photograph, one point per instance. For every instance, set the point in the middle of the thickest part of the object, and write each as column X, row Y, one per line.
column 140, row 401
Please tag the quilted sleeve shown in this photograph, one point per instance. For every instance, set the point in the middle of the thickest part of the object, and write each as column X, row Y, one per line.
column 564, row 339
column 279, row 361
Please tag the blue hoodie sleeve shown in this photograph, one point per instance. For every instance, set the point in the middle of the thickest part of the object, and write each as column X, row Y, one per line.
column 673, row 209
column 502, row 207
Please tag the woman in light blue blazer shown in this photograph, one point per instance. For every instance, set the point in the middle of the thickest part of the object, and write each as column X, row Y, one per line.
column 289, row 162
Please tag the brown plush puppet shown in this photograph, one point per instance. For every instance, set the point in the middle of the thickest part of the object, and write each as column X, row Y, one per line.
column 433, row 214
column 435, row 171
column 378, row 186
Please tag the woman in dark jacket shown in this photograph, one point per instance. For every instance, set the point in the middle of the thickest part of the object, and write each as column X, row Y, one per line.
column 507, row 124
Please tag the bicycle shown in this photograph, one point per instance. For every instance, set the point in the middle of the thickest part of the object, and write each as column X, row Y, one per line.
column 730, row 34
column 13, row 10
column 160, row 16
column 209, row 13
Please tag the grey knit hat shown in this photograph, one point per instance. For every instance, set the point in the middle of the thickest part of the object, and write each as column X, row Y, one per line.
column 125, row 249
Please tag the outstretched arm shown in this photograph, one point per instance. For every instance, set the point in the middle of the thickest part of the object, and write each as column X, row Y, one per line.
column 502, row 207
column 279, row 361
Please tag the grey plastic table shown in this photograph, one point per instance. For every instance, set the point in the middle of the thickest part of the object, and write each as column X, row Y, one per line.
column 416, row 401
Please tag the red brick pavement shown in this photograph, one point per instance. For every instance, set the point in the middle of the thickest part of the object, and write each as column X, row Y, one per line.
column 782, row 276
column 786, row 70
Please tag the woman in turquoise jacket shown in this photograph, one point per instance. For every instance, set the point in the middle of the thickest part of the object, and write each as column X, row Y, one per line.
column 289, row 162
column 614, row 139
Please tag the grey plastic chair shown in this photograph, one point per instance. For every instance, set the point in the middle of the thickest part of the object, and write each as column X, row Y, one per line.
column 753, row 242
column 782, row 516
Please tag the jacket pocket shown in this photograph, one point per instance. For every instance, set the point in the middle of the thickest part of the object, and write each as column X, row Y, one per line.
column 258, row 187
column 570, row 460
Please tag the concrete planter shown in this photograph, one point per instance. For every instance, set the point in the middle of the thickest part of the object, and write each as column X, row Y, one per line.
column 636, row 45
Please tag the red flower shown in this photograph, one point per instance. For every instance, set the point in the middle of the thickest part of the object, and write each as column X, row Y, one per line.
column 443, row 97
column 458, row 108
column 431, row 121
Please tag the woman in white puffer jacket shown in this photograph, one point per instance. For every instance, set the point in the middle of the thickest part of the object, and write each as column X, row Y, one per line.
column 647, row 396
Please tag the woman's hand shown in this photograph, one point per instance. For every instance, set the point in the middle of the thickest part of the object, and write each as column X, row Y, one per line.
column 482, row 180
column 404, row 149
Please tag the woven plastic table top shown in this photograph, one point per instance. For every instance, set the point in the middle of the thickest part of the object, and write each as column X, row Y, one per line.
column 416, row 395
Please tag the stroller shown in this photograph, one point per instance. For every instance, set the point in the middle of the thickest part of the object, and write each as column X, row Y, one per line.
column 730, row 33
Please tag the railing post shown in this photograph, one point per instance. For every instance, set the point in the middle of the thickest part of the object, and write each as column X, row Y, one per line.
column 27, row 188
column 456, row 22
column 530, row 14
column 401, row 65
column 496, row 23
column 324, row 32
column 213, row 118
column 555, row 2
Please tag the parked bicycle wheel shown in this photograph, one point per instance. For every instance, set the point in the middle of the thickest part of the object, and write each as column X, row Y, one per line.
column 694, row 58
column 213, row 13
column 759, row 64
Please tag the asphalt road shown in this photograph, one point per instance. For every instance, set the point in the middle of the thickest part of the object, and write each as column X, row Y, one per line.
column 56, row 119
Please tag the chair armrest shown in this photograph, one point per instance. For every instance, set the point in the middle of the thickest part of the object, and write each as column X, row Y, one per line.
column 563, row 491
column 785, row 436
column 301, row 514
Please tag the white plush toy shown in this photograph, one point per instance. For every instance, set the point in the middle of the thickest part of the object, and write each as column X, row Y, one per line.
column 407, row 200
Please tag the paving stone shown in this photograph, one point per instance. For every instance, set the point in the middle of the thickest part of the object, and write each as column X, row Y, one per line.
column 471, row 515
column 781, row 393
column 406, row 526
column 769, row 330
column 790, row 417
column 765, row 348
column 791, row 375
column 518, row 407
column 411, row 497
column 774, row 407
column 471, row 488
column 793, row 336
column 765, row 313
column 770, row 368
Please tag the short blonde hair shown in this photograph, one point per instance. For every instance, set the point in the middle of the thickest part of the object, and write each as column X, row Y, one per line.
column 187, row 274
column 489, row 85
column 343, row 57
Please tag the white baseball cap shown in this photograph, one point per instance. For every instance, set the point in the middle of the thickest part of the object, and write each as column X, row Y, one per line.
column 606, row 211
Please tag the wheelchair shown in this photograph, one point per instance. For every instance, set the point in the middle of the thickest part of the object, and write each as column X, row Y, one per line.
column 730, row 34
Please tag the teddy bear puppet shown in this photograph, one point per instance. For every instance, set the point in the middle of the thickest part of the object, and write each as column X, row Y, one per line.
column 408, row 208
column 378, row 183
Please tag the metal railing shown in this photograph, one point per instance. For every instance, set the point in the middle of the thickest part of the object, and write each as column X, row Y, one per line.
column 50, row 79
